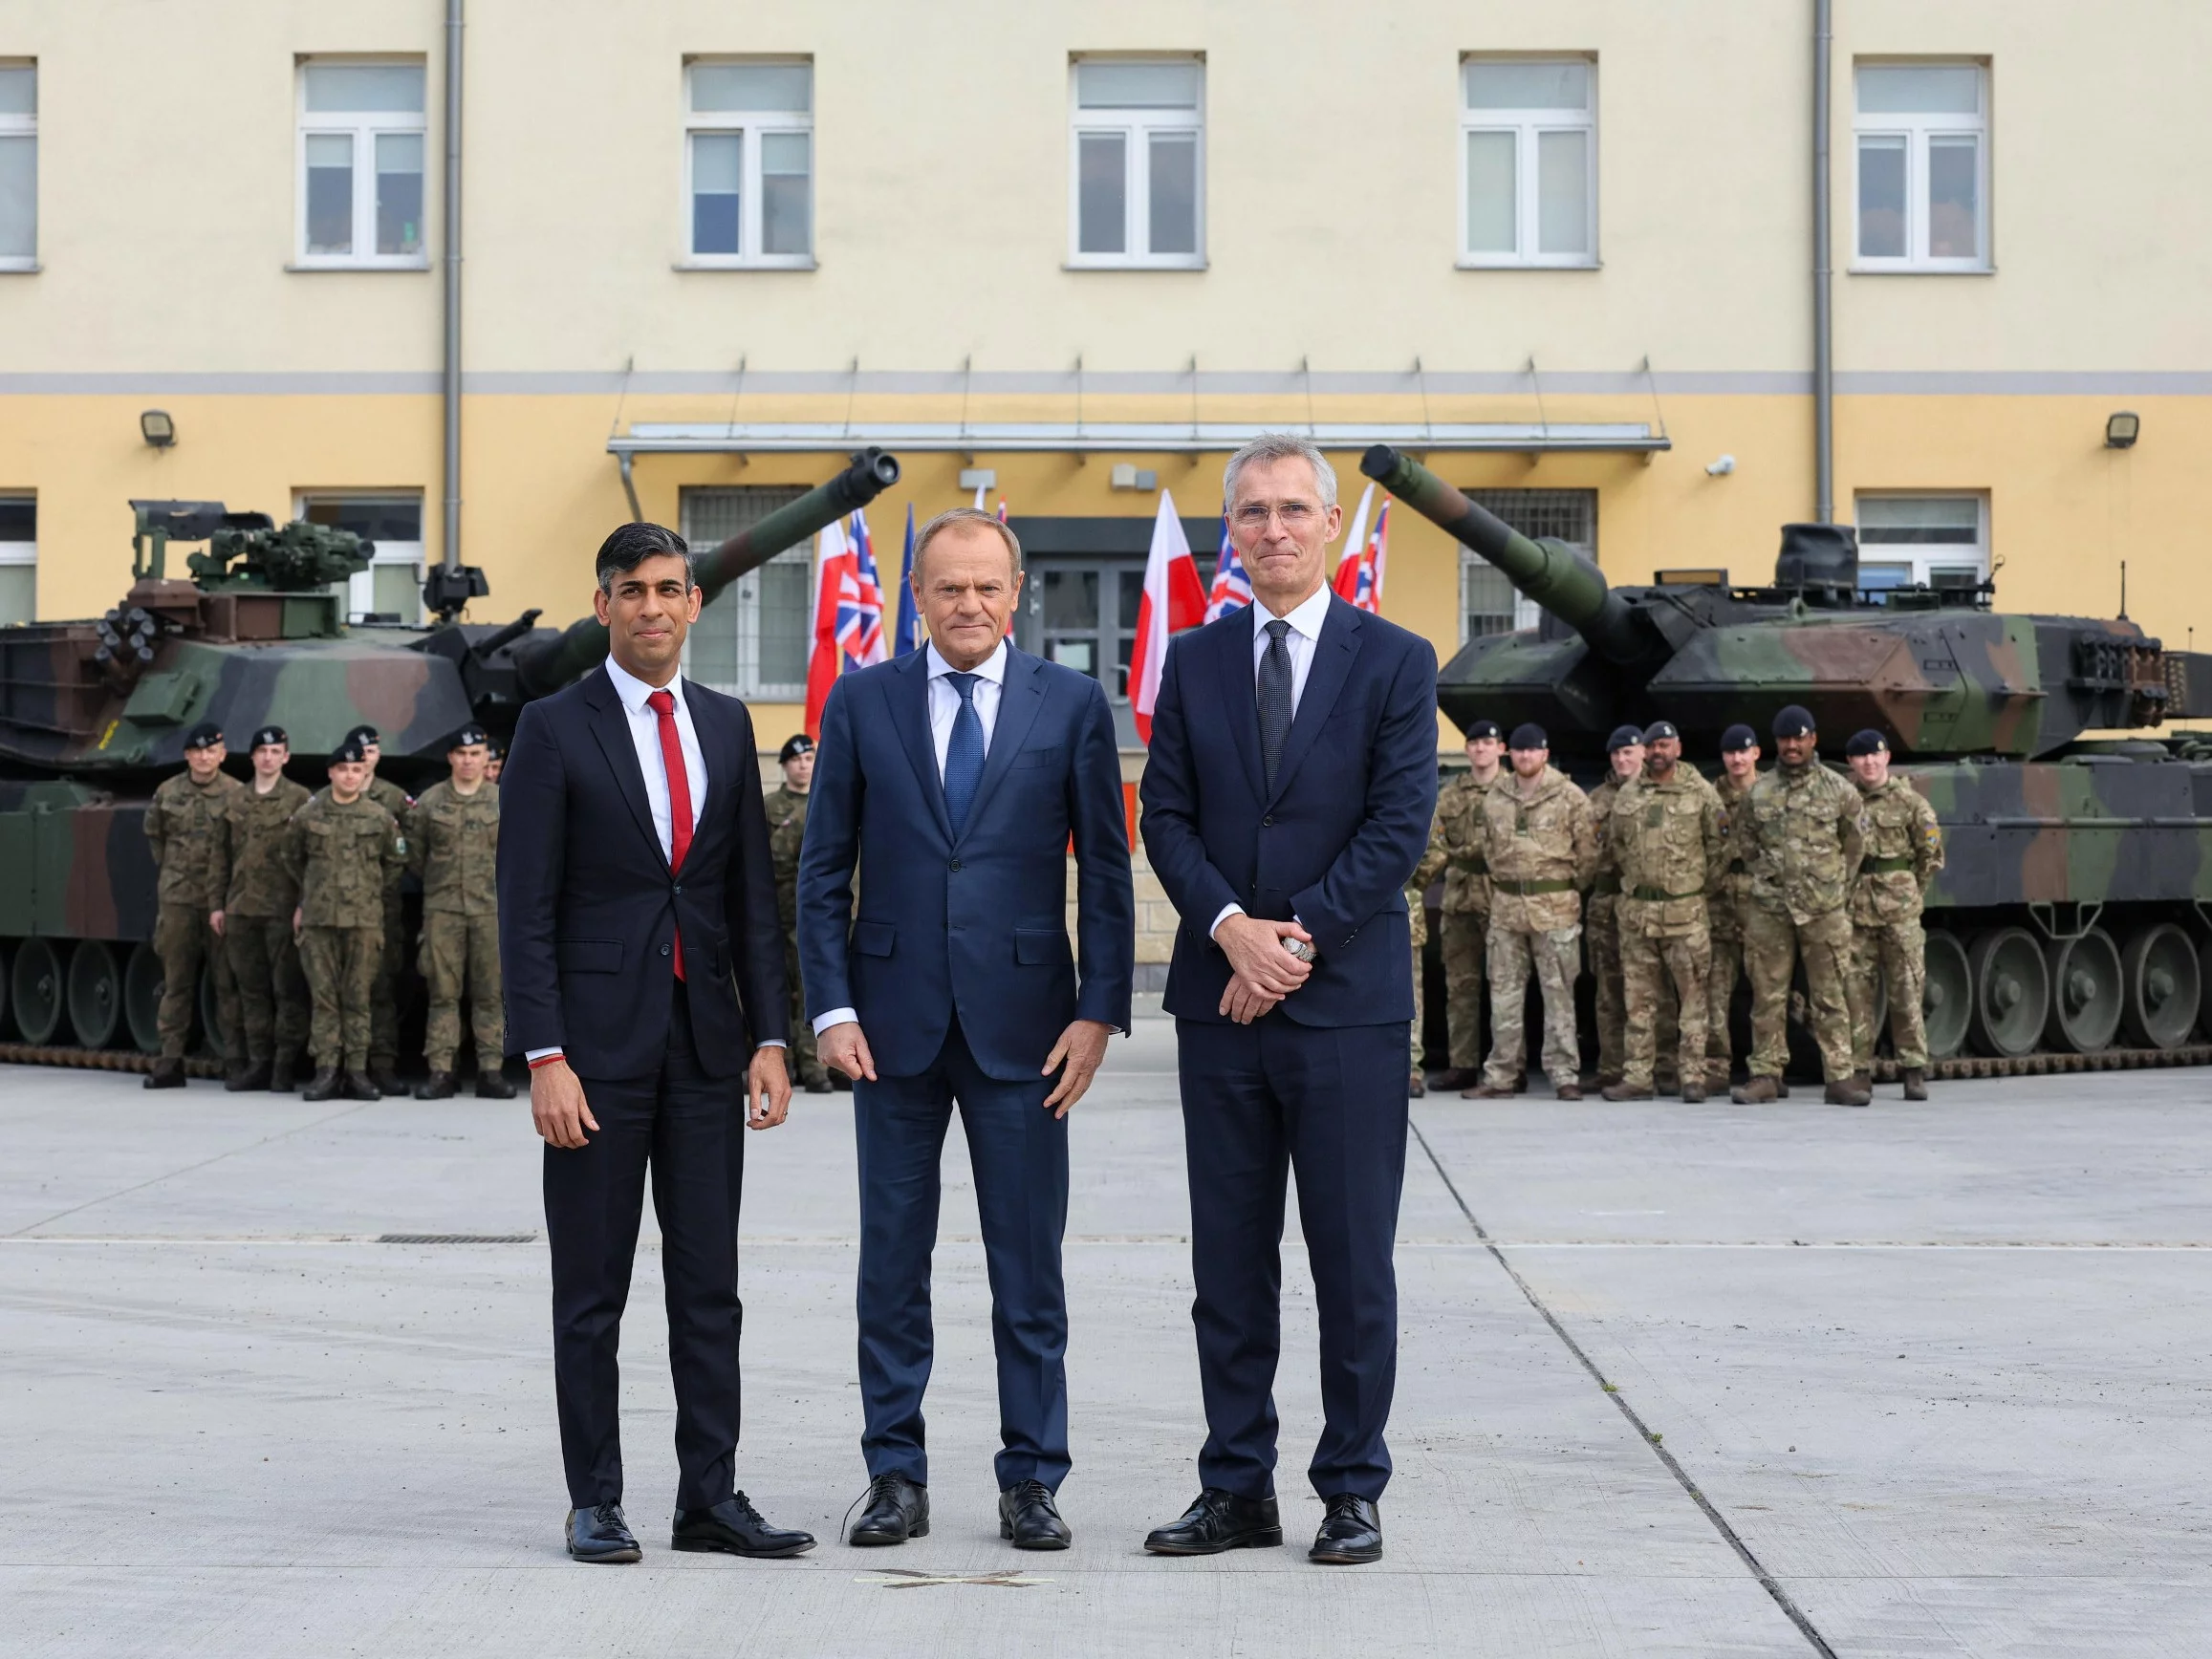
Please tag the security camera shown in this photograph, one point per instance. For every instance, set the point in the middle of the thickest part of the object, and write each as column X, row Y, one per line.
column 1722, row 467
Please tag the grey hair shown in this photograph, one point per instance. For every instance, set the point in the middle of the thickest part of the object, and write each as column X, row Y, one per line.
column 963, row 515
column 1280, row 447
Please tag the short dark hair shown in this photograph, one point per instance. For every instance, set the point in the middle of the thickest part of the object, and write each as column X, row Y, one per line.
column 632, row 545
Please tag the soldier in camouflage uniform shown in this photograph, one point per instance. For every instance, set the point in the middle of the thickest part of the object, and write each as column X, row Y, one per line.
column 1600, row 932
column 1724, row 906
column 346, row 852
column 384, row 1011
column 1455, row 844
column 1668, row 838
column 256, row 896
column 1542, row 850
column 181, row 829
column 1904, row 848
column 453, row 847
column 1803, row 831
column 787, row 830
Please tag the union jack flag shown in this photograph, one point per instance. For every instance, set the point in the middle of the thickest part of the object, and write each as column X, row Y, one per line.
column 860, row 601
column 1232, row 589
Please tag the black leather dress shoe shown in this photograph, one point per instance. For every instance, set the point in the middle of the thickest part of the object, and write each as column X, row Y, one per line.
column 895, row 1510
column 1219, row 1520
column 1028, row 1516
column 601, row 1533
column 1351, row 1532
column 734, row 1527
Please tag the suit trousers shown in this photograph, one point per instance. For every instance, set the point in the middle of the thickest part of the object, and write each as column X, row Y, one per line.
column 1019, row 1153
column 689, row 1130
column 1258, row 1102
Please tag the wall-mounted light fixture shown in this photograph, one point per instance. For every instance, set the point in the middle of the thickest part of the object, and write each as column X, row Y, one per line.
column 979, row 478
column 1722, row 467
column 2122, row 429
column 1127, row 475
column 157, row 428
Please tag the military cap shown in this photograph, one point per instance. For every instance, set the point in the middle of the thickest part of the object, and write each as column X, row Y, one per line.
column 1661, row 728
column 1738, row 738
column 798, row 744
column 1529, row 735
column 349, row 750
column 1483, row 728
column 203, row 736
column 364, row 733
column 1625, row 737
column 269, row 734
column 468, row 735
column 1867, row 742
column 1794, row 721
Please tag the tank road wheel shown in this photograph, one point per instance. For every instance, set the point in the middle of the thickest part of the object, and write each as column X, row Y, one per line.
column 35, row 988
column 2011, row 992
column 1947, row 996
column 6, row 1000
column 2085, row 992
column 2158, row 986
column 142, row 998
column 96, row 994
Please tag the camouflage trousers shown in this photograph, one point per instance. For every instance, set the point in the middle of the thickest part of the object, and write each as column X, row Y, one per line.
column 459, row 956
column 1463, row 936
column 1556, row 957
column 1896, row 952
column 1663, row 971
column 1601, row 941
column 341, row 964
column 1417, row 929
column 384, row 1009
column 1773, row 944
column 1721, row 976
column 805, row 1063
column 187, row 944
column 272, row 994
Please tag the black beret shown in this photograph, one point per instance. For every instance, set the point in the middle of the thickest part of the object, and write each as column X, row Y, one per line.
column 203, row 736
column 1661, row 728
column 1483, row 728
column 364, row 733
column 470, row 735
column 269, row 734
column 1623, row 737
column 1794, row 721
column 1868, row 742
column 798, row 744
column 1529, row 735
column 349, row 750
column 1737, row 738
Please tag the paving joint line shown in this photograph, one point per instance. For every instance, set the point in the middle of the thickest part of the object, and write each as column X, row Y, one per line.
column 1767, row 1580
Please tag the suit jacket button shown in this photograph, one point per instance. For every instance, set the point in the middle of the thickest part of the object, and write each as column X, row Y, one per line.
column 956, row 863
column 1269, row 821
column 663, row 950
column 678, row 887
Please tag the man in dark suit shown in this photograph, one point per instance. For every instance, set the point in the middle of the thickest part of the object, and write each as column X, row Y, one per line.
column 645, row 984
column 954, row 779
column 1287, row 800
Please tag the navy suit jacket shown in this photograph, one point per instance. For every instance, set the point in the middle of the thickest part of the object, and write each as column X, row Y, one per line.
column 975, row 923
column 1335, row 840
column 589, row 910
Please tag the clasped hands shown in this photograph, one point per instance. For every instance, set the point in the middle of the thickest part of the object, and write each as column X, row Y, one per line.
column 1262, row 973
column 1081, row 1047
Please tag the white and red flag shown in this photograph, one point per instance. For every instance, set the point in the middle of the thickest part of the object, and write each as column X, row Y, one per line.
column 1174, row 599
column 833, row 569
column 1359, row 579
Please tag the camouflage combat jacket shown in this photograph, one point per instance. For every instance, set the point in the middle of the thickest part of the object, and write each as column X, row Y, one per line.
column 249, row 870
column 1455, row 840
column 345, row 858
column 1805, row 829
column 1541, row 852
column 1670, row 843
column 1904, row 848
column 787, row 831
column 180, row 827
column 1605, row 882
column 453, row 846
column 1725, row 904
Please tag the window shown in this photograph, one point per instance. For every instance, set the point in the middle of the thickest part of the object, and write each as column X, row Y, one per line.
column 752, row 639
column 1904, row 540
column 18, row 558
column 391, row 589
column 1528, row 162
column 1489, row 603
column 1136, row 162
column 750, row 164
column 18, row 166
column 1922, row 132
column 360, row 165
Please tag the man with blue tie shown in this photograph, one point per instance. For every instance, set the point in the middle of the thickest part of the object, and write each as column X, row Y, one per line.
column 952, row 781
column 1286, row 799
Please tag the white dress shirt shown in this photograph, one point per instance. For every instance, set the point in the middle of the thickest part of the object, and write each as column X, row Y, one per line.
column 1304, row 620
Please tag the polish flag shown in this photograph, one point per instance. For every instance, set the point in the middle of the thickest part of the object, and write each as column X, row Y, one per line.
column 1346, row 578
column 833, row 571
column 1174, row 599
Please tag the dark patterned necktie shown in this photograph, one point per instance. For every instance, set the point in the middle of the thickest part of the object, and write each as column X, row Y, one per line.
column 1275, row 700
column 962, row 753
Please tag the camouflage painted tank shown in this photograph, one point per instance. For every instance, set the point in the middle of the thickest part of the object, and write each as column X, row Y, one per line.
column 2071, row 915
column 93, row 716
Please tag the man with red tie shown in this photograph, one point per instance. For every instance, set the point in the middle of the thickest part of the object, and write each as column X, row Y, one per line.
column 644, row 977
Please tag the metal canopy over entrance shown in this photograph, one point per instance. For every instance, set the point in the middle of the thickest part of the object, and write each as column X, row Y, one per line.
column 1156, row 438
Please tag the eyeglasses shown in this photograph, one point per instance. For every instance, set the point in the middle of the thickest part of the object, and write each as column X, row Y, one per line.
column 1295, row 514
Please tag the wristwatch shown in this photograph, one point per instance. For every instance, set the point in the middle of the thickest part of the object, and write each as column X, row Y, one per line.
column 1300, row 949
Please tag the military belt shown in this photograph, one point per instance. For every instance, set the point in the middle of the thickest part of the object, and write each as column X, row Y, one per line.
column 1884, row 866
column 1661, row 895
column 1605, row 884
column 1736, row 867
column 1530, row 888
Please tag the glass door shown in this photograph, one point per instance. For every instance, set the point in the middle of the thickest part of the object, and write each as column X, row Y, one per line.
column 1082, row 615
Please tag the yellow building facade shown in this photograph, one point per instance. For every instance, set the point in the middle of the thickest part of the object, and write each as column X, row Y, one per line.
column 1563, row 250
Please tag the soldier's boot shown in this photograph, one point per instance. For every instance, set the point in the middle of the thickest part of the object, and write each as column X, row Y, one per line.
column 384, row 1078
column 1567, row 1092
column 820, row 1084
column 1459, row 1077
column 1757, row 1090
column 1847, row 1091
column 166, row 1073
column 1781, row 1089
column 358, row 1086
column 1693, row 1091
column 1417, row 1087
column 1625, row 1090
column 1487, row 1091
column 283, row 1072
column 253, row 1076
column 437, row 1086
column 1915, row 1082
column 324, row 1085
column 840, row 1082
column 491, row 1084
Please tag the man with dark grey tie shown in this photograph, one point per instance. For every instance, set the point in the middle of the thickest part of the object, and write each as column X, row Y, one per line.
column 953, row 780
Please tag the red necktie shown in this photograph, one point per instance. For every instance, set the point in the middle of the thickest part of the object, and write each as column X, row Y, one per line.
column 663, row 704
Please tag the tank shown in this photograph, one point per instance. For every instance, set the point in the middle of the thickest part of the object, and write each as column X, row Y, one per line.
column 248, row 632
column 2069, row 927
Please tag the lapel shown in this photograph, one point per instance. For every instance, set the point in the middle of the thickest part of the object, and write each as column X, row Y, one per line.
column 611, row 726
column 1332, row 658
column 907, row 691
column 715, row 757
column 1021, row 695
column 1240, row 695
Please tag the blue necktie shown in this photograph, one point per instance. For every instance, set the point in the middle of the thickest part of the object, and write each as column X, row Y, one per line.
column 963, row 754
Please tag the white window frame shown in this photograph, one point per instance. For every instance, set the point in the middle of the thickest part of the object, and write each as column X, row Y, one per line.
column 1916, row 129
column 362, row 585
column 749, row 125
column 1525, row 125
column 1136, row 127
column 24, row 126
column 1924, row 557
column 17, row 555
column 745, row 593
column 362, row 127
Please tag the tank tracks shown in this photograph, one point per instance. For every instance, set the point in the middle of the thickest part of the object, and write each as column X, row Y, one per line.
column 96, row 1058
column 2053, row 1064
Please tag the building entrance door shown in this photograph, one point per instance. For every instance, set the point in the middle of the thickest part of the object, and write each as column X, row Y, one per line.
column 1082, row 615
